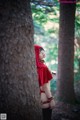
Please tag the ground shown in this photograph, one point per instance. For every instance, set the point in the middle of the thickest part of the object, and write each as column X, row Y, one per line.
column 63, row 111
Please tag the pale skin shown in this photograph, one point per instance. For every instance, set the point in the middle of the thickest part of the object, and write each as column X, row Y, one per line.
column 46, row 88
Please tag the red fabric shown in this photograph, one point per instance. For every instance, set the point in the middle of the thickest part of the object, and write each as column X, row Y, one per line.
column 44, row 75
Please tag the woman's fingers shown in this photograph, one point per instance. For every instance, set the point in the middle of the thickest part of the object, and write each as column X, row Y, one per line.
column 52, row 104
column 43, row 97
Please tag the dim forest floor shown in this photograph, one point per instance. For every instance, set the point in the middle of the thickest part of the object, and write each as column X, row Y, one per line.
column 64, row 111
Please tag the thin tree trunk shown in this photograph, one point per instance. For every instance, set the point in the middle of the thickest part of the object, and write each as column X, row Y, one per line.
column 19, row 93
column 66, row 53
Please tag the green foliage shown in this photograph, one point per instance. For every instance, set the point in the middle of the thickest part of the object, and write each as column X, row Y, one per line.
column 77, row 21
column 77, row 64
column 45, row 36
column 77, row 52
column 46, row 22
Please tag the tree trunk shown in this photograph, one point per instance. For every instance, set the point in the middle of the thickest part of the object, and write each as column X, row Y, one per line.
column 19, row 93
column 66, row 53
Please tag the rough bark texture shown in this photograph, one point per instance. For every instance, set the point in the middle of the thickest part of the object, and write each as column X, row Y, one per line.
column 19, row 93
column 66, row 53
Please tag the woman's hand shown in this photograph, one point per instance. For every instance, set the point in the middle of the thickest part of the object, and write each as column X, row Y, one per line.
column 44, row 99
column 52, row 103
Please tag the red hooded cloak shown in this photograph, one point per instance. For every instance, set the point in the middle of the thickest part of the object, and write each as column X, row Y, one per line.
column 44, row 75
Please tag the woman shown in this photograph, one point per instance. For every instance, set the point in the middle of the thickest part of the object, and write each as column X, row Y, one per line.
column 44, row 77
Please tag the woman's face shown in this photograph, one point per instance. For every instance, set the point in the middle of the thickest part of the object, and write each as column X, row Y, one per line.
column 42, row 54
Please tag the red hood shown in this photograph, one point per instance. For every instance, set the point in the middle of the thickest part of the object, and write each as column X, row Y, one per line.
column 44, row 75
column 37, row 51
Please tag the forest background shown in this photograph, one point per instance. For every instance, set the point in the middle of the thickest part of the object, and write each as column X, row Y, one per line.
column 46, row 33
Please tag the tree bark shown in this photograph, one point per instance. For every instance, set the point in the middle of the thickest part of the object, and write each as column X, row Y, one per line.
column 65, row 82
column 19, row 90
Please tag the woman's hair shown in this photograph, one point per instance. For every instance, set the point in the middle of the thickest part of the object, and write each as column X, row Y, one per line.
column 41, row 49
